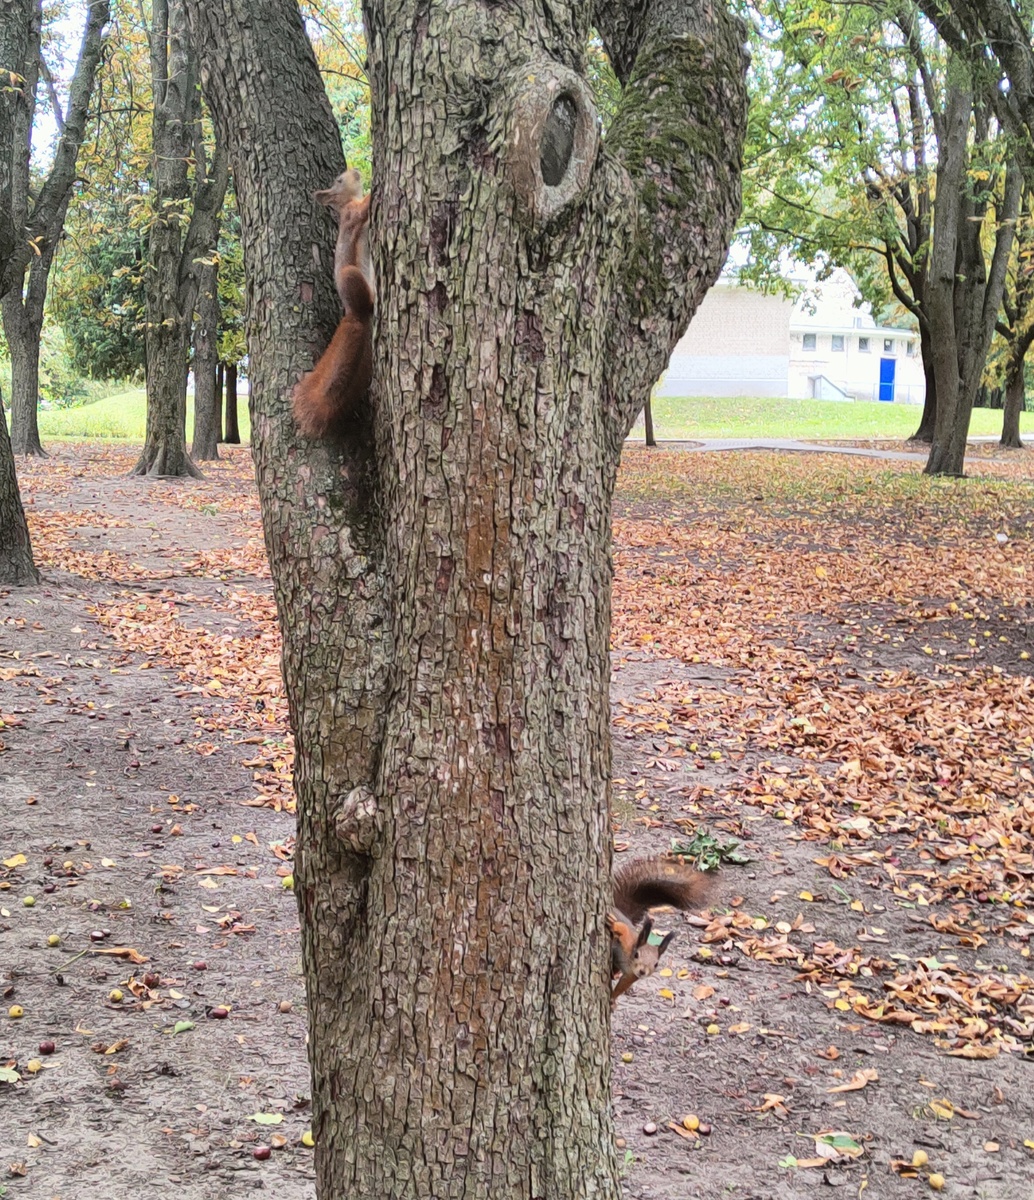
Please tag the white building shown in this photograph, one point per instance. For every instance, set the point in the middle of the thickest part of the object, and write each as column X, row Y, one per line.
column 744, row 343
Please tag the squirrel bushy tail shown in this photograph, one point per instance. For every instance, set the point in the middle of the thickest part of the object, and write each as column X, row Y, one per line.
column 640, row 885
column 646, row 883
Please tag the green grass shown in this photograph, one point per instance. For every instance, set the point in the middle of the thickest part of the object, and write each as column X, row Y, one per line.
column 122, row 417
column 744, row 416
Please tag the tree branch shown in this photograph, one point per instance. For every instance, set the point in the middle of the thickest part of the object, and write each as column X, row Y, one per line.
column 678, row 133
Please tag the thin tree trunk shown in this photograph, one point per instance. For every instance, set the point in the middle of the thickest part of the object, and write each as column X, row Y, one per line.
column 23, row 339
column 648, row 423
column 219, row 389
column 174, row 256
column 928, row 421
column 1015, row 395
column 232, row 435
column 207, row 400
column 442, row 573
column 17, row 568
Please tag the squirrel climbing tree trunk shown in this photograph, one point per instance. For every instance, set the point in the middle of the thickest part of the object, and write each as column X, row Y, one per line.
column 442, row 571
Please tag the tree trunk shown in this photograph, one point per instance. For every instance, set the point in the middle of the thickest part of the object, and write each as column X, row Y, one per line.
column 1015, row 397
column 648, row 424
column 23, row 340
column 965, row 295
column 175, row 252
column 442, row 573
column 16, row 565
column 928, row 420
column 207, row 399
column 17, row 568
column 38, row 209
column 232, row 435
column 219, row 388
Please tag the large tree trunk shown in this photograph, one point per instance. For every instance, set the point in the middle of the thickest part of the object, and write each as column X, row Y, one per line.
column 208, row 403
column 23, row 339
column 442, row 573
column 232, row 436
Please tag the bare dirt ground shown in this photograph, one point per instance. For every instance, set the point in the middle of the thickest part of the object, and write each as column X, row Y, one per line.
column 768, row 666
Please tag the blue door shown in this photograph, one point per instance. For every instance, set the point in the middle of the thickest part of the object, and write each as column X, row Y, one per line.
column 887, row 366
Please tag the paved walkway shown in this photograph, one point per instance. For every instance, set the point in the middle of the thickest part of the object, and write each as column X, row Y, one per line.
column 789, row 444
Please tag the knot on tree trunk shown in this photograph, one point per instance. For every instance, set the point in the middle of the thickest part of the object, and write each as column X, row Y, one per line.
column 552, row 139
column 358, row 822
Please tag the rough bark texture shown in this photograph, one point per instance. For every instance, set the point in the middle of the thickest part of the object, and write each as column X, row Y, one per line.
column 1015, row 396
column 39, row 215
column 16, row 563
column 965, row 293
column 176, row 248
column 231, row 426
column 442, row 574
column 208, row 402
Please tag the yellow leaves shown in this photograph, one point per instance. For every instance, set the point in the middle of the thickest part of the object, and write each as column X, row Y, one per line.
column 16, row 860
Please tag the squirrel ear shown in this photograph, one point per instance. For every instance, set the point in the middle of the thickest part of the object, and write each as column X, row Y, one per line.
column 644, row 933
column 665, row 942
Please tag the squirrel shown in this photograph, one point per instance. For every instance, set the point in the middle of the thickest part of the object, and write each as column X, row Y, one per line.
column 639, row 886
column 331, row 391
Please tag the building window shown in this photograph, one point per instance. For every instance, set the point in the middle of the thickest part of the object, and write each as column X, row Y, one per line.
column 888, row 345
column 910, row 349
column 808, row 341
column 838, row 341
column 863, row 345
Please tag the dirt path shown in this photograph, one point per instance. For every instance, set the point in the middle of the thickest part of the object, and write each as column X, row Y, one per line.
column 143, row 734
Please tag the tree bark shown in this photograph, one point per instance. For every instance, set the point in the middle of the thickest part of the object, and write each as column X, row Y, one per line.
column 928, row 420
column 220, row 387
column 39, row 213
column 23, row 339
column 442, row 573
column 16, row 563
column 17, row 568
column 207, row 398
column 648, row 424
column 965, row 294
column 232, row 436
column 175, row 249
column 1015, row 396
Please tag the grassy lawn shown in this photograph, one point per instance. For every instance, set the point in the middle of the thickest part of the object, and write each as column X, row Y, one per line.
column 745, row 416
column 121, row 417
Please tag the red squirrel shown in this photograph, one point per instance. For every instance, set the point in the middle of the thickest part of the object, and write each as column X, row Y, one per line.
column 331, row 391
column 638, row 886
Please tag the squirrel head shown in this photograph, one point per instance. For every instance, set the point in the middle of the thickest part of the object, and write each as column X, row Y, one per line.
column 645, row 957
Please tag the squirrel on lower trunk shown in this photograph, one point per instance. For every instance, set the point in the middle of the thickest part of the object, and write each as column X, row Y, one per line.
column 639, row 886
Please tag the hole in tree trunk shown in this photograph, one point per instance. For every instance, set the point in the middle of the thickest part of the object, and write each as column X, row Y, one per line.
column 558, row 140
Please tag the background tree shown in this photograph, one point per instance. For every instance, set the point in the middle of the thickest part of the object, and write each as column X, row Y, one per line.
column 208, row 400
column 442, row 574
column 181, row 234
column 39, row 211
column 1016, row 329
column 16, row 564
